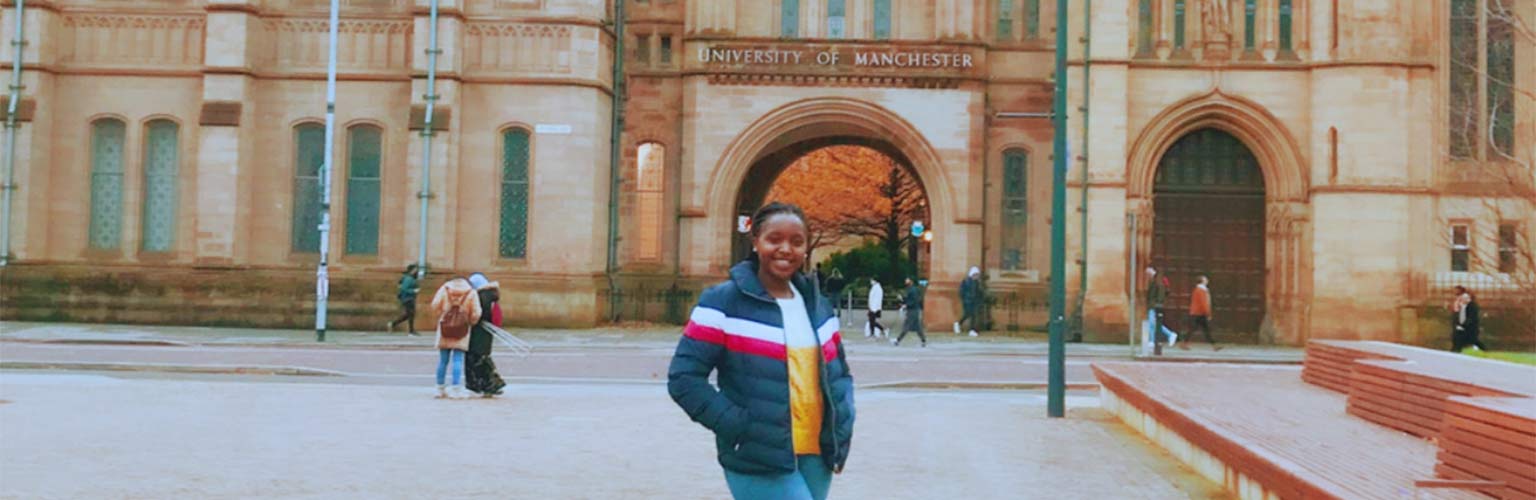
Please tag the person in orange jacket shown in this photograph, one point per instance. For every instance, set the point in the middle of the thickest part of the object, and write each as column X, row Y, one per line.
column 1200, row 312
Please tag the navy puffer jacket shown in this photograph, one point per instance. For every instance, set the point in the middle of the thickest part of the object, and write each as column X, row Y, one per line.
column 738, row 329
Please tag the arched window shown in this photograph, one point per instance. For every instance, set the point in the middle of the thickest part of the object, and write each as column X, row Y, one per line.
column 160, row 183
column 309, row 144
column 1015, row 210
column 364, row 145
column 515, row 159
column 106, row 228
column 651, row 160
column 882, row 19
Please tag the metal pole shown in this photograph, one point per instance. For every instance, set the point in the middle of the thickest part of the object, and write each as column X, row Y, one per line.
column 1131, row 296
column 614, row 148
column 322, row 280
column 11, row 108
column 1057, row 389
column 426, row 139
column 1082, row 207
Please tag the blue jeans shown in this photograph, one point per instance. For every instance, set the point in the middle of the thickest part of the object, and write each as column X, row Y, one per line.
column 458, row 365
column 810, row 481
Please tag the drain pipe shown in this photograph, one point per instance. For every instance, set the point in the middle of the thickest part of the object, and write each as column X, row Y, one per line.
column 1082, row 209
column 614, row 148
column 12, row 107
column 426, row 138
column 322, row 278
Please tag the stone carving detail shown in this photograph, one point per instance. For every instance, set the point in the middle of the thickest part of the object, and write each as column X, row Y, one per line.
column 1218, row 20
column 493, row 7
column 106, row 40
column 518, row 48
column 348, row 6
column 299, row 44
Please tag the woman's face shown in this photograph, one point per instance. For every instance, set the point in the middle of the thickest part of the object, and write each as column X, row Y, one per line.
column 781, row 245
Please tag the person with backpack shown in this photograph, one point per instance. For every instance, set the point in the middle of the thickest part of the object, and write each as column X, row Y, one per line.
column 406, row 292
column 781, row 407
column 479, row 370
column 458, row 309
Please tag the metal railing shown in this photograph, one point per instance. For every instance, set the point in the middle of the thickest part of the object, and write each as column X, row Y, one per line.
column 656, row 305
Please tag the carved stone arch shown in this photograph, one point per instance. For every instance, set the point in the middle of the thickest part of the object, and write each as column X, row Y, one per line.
column 1286, row 191
column 821, row 118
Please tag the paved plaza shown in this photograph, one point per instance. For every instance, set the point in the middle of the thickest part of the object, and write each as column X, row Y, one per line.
column 88, row 435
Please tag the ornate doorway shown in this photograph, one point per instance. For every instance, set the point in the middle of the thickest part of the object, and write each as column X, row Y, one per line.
column 1209, row 207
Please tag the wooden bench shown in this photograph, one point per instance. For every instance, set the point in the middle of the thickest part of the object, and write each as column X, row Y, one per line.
column 1480, row 412
column 1260, row 430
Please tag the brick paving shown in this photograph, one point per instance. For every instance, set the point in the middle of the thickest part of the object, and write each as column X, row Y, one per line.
column 1293, row 437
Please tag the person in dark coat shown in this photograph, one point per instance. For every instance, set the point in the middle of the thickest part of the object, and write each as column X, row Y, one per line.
column 782, row 406
column 479, row 370
column 1466, row 321
column 971, row 299
column 406, row 292
column 912, row 303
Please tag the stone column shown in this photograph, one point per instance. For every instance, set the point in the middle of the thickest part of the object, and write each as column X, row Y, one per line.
column 1163, row 24
column 225, row 134
column 1301, row 29
column 1268, row 24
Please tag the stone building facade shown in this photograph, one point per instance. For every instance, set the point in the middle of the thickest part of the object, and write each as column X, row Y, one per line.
column 1309, row 155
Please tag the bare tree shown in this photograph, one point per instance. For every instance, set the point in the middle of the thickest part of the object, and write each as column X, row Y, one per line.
column 1490, row 239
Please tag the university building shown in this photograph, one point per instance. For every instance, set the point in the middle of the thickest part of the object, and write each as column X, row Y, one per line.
column 1332, row 165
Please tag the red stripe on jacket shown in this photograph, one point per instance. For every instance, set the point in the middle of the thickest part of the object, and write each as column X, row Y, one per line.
column 748, row 345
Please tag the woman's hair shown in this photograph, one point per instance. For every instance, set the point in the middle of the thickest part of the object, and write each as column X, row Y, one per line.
column 772, row 209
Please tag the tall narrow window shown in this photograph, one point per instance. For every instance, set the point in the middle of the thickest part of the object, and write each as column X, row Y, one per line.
column 1482, row 76
column 1015, row 209
column 1509, row 247
column 309, row 142
column 106, row 228
column 1178, row 24
column 1501, row 77
column 642, row 48
column 1144, row 28
column 650, row 181
column 836, row 17
column 666, row 50
column 789, row 18
column 1461, row 247
column 515, row 157
column 364, row 151
column 1250, row 24
column 160, row 175
column 1286, row 22
column 882, row 19
column 1004, row 19
column 1032, row 19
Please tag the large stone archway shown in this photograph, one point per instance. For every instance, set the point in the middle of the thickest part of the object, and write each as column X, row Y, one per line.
column 1287, row 279
column 818, row 120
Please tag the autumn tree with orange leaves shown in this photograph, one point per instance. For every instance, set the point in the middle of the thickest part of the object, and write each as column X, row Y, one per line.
column 853, row 191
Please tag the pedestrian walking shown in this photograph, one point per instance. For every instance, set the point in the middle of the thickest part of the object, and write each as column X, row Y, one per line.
column 873, row 328
column 971, row 299
column 783, row 413
column 1157, row 296
column 405, row 292
column 1466, row 321
column 458, row 308
column 1200, row 313
column 480, row 374
column 912, row 306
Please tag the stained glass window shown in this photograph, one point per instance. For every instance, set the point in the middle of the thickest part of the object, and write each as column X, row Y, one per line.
column 1144, row 28
column 309, row 144
column 106, row 228
column 1004, row 19
column 1286, row 24
column 160, row 176
column 515, row 152
column 1178, row 23
column 1015, row 209
column 1250, row 23
column 836, row 18
column 364, row 151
